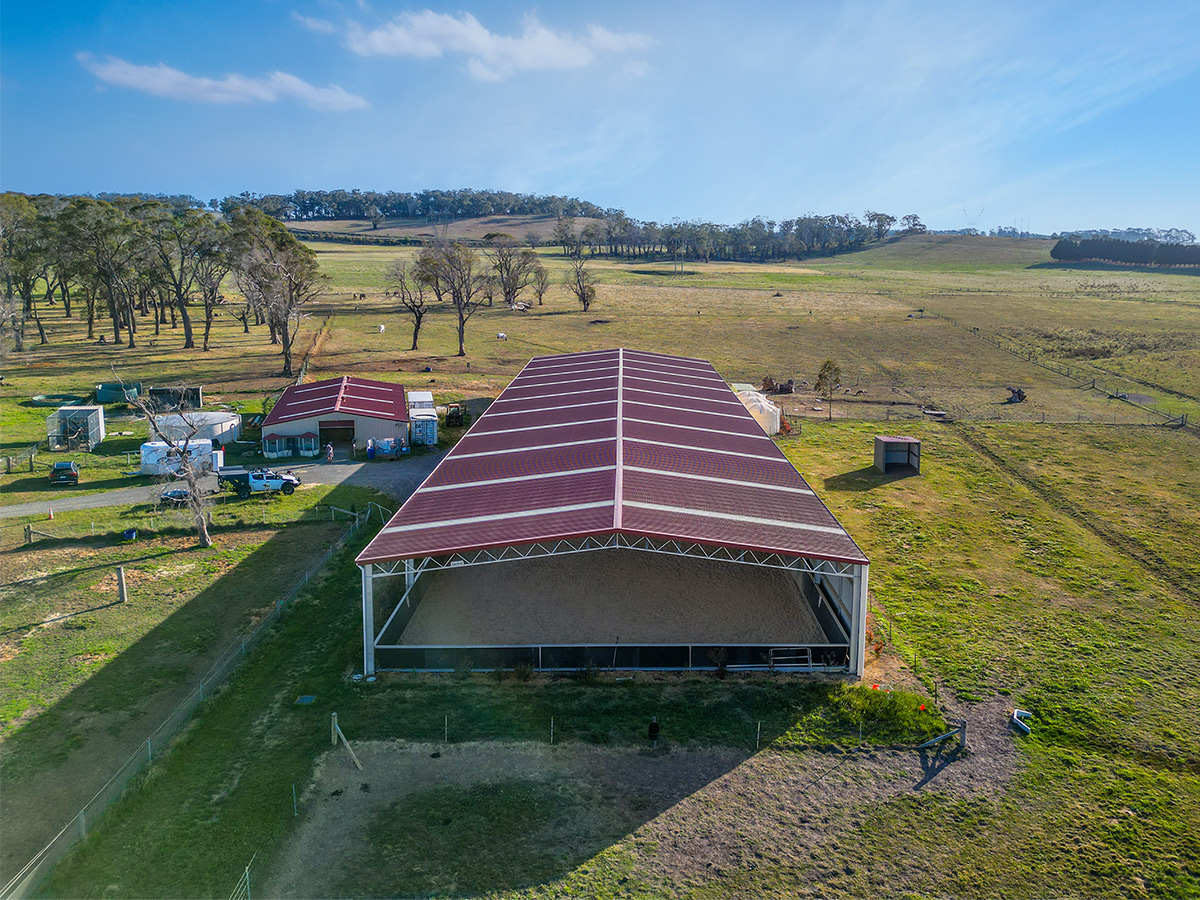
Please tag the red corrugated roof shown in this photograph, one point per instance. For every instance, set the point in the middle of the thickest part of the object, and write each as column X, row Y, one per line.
column 346, row 395
column 615, row 441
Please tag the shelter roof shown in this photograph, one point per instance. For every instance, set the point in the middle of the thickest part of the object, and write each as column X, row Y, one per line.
column 614, row 441
column 345, row 395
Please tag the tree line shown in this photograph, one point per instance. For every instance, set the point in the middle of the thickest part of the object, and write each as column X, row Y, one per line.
column 608, row 232
column 134, row 264
column 1144, row 253
column 755, row 240
column 375, row 206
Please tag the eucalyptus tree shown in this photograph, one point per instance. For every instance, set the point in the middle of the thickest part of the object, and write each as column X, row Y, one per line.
column 110, row 245
column 411, row 292
column 452, row 269
column 580, row 280
column 271, row 265
column 516, row 268
column 23, row 257
column 183, row 240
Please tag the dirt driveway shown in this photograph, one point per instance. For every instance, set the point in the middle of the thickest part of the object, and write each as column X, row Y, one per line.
column 396, row 479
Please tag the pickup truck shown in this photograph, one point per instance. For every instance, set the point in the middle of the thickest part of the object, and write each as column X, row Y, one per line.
column 244, row 482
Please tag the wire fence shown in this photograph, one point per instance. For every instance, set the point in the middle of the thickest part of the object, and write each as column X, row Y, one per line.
column 31, row 874
column 22, row 459
column 1084, row 376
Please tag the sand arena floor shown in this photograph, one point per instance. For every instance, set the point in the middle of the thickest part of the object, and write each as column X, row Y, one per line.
column 607, row 596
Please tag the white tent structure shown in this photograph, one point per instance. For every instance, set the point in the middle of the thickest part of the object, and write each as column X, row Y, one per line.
column 217, row 427
column 765, row 413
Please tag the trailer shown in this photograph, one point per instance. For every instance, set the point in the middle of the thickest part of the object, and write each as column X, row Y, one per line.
column 165, row 458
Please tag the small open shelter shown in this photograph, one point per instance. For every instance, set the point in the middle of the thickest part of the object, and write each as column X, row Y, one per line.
column 75, row 428
column 895, row 453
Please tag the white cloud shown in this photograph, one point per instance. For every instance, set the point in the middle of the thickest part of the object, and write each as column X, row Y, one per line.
column 321, row 26
column 490, row 56
column 163, row 81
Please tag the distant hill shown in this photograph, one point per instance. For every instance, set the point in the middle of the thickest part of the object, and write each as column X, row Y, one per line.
column 421, row 230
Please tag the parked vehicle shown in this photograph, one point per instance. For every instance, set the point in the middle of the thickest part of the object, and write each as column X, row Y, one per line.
column 244, row 482
column 64, row 473
column 175, row 496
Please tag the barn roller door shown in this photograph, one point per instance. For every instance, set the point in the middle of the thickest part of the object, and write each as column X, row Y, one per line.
column 337, row 431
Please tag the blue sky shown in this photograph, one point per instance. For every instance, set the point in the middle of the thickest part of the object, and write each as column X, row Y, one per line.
column 1047, row 115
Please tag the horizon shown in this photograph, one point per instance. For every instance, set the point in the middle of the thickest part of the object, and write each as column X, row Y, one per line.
column 1030, row 116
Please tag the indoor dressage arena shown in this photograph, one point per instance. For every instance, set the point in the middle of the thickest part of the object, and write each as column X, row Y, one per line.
column 614, row 509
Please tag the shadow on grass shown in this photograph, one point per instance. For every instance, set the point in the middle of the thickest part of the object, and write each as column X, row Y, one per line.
column 867, row 478
column 531, row 823
column 40, row 484
column 57, row 761
column 1115, row 267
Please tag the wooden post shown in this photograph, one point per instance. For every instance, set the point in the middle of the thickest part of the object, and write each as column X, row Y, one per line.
column 122, row 591
column 333, row 729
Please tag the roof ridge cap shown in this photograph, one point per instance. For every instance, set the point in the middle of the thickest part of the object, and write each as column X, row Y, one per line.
column 619, row 474
column 337, row 404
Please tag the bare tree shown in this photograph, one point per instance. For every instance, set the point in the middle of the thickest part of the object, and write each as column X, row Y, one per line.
column 829, row 379
column 188, row 474
column 580, row 280
column 515, row 269
column 411, row 293
column 541, row 282
column 532, row 238
column 452, row 269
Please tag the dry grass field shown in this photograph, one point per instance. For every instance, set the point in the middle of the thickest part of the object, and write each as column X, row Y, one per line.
column 1045, row 558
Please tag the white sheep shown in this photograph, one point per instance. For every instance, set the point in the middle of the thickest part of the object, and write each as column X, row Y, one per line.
column 501, row 336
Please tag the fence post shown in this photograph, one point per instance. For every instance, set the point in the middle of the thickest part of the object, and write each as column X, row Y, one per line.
column 122, row 592
column 149, row 751
column 333, row 729
column 82, row 825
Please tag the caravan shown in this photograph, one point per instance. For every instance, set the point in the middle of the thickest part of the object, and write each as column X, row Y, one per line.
column 162, row 458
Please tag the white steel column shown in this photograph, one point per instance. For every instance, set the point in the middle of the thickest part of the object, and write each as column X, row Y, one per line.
column 368, row 600
column 409, row 574
column 858, row 636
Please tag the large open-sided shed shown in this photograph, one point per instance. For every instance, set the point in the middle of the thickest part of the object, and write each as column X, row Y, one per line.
column 614, row 508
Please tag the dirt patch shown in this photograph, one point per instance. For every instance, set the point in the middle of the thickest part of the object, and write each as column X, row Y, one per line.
column 574, row 598
column 686, row 816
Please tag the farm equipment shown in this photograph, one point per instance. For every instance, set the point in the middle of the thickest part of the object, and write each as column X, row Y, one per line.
column 1015, row 395
column 244, row 482
column 455, row 416
column 771, row 386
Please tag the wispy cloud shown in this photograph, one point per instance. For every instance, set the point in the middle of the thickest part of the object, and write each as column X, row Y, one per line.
column 321, row 26
column 163, row 81
column 490, row 56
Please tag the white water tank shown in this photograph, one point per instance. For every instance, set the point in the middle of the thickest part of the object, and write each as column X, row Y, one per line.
column 765, row 413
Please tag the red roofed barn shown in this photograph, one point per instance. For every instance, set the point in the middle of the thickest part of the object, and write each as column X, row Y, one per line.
column 619, row 509
column 337, row 410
